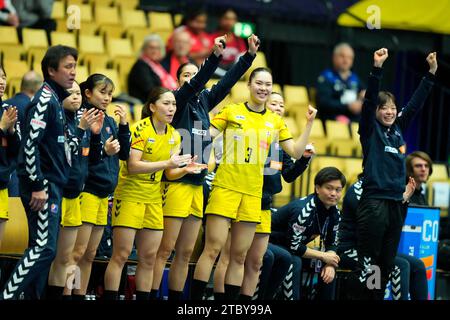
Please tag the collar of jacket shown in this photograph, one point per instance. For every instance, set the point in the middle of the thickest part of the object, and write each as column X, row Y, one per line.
column 59, row 91
column 70, row 114
column 321, row 207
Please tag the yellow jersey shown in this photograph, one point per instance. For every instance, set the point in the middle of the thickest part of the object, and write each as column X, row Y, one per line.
column 145, row 187
column 247, row 136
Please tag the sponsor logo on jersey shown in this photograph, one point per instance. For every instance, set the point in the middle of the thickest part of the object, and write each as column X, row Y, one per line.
column 269, row 124
column 239, row 117
column 172, row 141
column 38, row 123
column 199, row 132
column 298, row 228
column 264, row 144
column 151, row 140
column 390, row 149
column 54, row 208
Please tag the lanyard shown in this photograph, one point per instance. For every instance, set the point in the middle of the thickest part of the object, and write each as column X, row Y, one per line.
column 323, row 231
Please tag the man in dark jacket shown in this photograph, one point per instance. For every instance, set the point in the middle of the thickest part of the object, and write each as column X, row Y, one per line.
column 44, row 162
column 30, row 84
column 301, row 221
column 339, row 90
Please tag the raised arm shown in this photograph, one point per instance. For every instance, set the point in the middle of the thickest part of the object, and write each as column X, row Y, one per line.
column 197, row 83
column 368, row 113
column 219, row 91
column 296, row 149
column 292, row 170
column 420, row 95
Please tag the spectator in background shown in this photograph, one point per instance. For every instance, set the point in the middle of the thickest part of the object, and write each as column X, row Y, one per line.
column 8, row 14
column 147, row 72
column 339, row 90
column 236, row 46
column 30, row 84
column 420, row 167
column 179, row 54
column 35, row 14
column 194, row 22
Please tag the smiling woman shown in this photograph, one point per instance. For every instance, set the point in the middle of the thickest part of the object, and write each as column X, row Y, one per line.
column 381, row 209
column 248, row 131
column 138, row 204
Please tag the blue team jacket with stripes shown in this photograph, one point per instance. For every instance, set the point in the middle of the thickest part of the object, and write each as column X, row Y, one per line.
column 301, row 221
column 9, row 149
column 47, row 144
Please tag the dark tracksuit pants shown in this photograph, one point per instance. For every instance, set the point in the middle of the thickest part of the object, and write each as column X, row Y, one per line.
column 418, row 283
column 292, row 284
column 276, row 263
column 399, row 277
column 31, row 272
column 379, row 224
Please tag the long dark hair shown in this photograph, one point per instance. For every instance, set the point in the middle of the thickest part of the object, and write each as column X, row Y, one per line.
column 3, row 69
column 181, row 67
column 153, row 96
column 94, row 80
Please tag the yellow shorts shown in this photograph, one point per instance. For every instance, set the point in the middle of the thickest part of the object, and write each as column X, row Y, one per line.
column 70, row 212
column 266, row 220
column 137, row 215
column 180, row 200
column 234, row 205
column 94, row 209
column 4, row 204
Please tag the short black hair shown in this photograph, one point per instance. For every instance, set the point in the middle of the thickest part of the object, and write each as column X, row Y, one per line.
column 328, row 174
column 385, row 97
column 54, row 55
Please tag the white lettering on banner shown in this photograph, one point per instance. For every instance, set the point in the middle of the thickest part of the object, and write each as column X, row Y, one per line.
column 199, row 132
column 434, row 226
column 390, row 149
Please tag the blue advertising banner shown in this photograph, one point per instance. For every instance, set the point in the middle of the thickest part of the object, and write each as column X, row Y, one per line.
column 420, row 239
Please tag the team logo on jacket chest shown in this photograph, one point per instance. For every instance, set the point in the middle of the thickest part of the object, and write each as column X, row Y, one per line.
column 298, row 228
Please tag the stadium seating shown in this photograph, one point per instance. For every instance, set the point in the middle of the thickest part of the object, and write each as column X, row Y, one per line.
column 160, row 21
